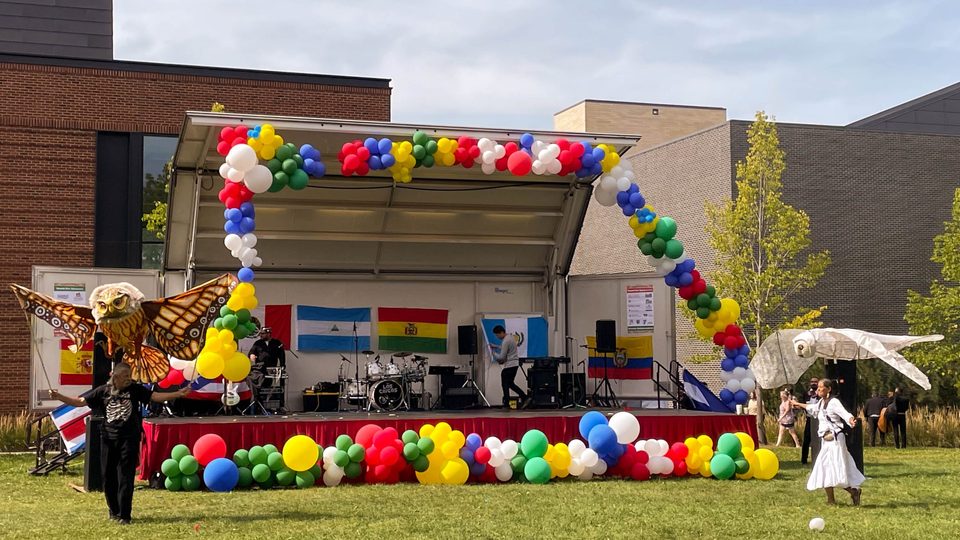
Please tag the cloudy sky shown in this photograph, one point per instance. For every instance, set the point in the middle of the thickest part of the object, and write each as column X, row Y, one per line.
column 513, row 64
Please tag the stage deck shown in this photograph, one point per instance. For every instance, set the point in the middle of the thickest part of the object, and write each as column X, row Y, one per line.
column 162, row 434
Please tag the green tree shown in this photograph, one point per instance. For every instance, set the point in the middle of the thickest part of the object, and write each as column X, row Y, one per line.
column 939, row 311
column 155, row 191
column 762, row 244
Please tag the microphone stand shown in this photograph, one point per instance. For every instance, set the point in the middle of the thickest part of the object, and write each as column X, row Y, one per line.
column 356, row 361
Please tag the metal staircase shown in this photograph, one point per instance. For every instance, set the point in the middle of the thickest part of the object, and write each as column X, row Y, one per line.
column 672, row 387
column 49, row 443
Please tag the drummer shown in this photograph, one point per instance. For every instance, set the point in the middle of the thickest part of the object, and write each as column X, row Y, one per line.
column 267, row 352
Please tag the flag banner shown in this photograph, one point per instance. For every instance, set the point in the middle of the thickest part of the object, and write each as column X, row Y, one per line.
column 332, row 329
column 701, row 396
column 71, row 423
column 633, row 359
column 205, row 390
column 277, row 317
column 412, row 329
column 76, row 368
column 529, row 332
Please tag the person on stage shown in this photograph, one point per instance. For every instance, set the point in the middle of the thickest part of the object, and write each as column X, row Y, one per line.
column 119, row 402
column 267, row 352
column 834, row 466
column 506, row 355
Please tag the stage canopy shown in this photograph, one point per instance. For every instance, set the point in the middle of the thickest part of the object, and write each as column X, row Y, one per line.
column 447, row 221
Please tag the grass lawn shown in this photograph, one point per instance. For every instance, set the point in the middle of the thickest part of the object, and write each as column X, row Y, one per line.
column 909, row 494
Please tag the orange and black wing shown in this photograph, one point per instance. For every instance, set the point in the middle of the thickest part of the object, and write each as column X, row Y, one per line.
column 178, row 322
column 149, row 366
column 76, row 321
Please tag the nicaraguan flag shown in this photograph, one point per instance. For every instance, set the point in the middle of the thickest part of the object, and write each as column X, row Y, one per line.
column 701, row 396
column 331, row 329
column 530, row 333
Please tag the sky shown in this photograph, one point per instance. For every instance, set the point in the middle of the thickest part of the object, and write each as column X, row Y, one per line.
column 514, row 64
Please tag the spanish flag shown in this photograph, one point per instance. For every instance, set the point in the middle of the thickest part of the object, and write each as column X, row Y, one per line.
column 76, row 369
column 412, row 329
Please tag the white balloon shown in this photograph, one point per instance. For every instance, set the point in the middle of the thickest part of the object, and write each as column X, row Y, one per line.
column 553, row 150
column 499, row 151
column 626, row 426
column 257, row 261
column 224, row 170
column 651, row 448
column 817, row 524
column 733, row 385
column 330, row 479
column 488, row 168
column 605, row 198
column 509, row 449
column 486, row 144
column 623, row 183
column 496, row 458
column 329, row 452
column 739, row 372
column 242, row 157
column 638, row 446
column 589, row 458
column 748, row 385
column 576, row 448
column 616, row 171
column 576, row 468
column 667, row 265
column 587, row 474
column 748, row 374
column 232, row 242
column 538, row 167
column 664, row 448
column 608, row 183
column 725, row 376
column 629, row 174
column 537, row 147
column 554, row 166
column 235, row 175
column 653, row 261
column 492, row 443
column 249, row 239
column 599, row 468
column 488, row 156
column 504, row 472
column 190, row 371
column 258, row 179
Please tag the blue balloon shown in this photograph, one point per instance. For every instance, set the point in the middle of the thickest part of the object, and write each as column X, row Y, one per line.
column 308, row 151
column 245, row 275
column 727, row 364
column 597, row 168
column 467, row 455
column 686, row 278
column 474, row 441
column 387, row 160
column 741, row 397
column 247, row 225
column 744, row 350
column 599, row 154
column 478, row 468
column 234, row 215
column 611, row 461
column 602, row 439
column 726, row 396
column 221, row 475
column 729, row 353
column 582, row 172
column 587, row 147
column 385, row 145
column 629, row 210
column 689, row 265
column 587, row 161
column 319, row 169
column 247, row 209
column 375, row 163
column 527, row 140
column 637, row 200
column 633, row 189
column 671, row 280
column 226, row 214
column 741, row 361
column 623, row 199
column 231, row 228
column 591, row 420
column 371, row 144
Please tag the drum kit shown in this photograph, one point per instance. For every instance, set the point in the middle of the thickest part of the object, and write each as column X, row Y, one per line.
column 384, row 387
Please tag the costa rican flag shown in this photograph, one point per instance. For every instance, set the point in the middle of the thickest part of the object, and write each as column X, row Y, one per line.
column 71, row 422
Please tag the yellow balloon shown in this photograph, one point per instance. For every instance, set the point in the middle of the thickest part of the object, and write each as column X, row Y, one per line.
column 450, row 450
column 235, row 303
column 746, row 441
column 705, row 470
column 209, row 365
column 300, row 452
column 250, row 303
column 426, row 430
column 754, row 466
column 442, row 431
column 225, row 336
column 254, row 143
column 212, row 333
column 455, row 472
column 236, row 369
column 267, row 131
column 243, row 289
column 692, row 443
column 633, row 222
column 213, row 345
column 705, row 453
column 277, row 141
column 704, row 440
column 702, row 328
column 768, row 463
column 267, row 152
column 550, row 454
column 731, row 307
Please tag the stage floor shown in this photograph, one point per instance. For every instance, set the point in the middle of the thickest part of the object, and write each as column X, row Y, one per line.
column 162, row 434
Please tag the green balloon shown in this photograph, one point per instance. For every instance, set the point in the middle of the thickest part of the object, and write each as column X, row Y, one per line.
column 284, row 153
column 190, row 483
column 341, row 459
column 218, row 323
column 534, row 444
column 666, row 228
column 230, row 322
column 246, row 477
column 703, row 312
column 715, row 304
column 305, row 479
column 188, row 465
column 170, row 468
column 426, row 445
column 275, row 461
column 270, row 449
column 275, row 165
column 409, row 436
column 344, row 442
column 419, row 152
column 353, row 470
column 431, row 147
column 421, row 464
column 240, row 332
column 299, row 179
column 649, row 237
column 420, row 138
column 257, row 456
column 729, row 444
column 290, row 166
column 645, row 247
column 692, row 304
column 703, row 300
column 411, row 451
column 242, row 458
column 268, row 483
column 173, row 483
column 280, row 181
column 260, row 472
column 224, row 311
column 250, row 327
column 537, row 471
column 711, row 291
column 243, row 316
column 298, row 159
column 742, row 465
column 674, row 249
column 722, row 466
column 357, row 453
column 316, row 471
column 659, row 245
column 517, row 464
column 429, row 161
column 285, row 476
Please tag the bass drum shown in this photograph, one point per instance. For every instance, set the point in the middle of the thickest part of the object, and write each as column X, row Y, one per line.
column 386, row 395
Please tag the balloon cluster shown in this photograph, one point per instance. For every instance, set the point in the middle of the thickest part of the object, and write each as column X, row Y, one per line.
column 264, row 140
column 360, row 157
column 288, row 168
column 239, row 221
column 619, row 179
column 243, row 247
column 384, row 454
column 445, row 463
column 502, row 454
column 734, row 456
column 342, row 460
column 230, row 137
column 424, row 149
column 490, row 154
column 467, row 152
column 181, row 469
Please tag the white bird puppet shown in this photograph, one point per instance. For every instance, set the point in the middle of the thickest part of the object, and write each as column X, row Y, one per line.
column 786, row 354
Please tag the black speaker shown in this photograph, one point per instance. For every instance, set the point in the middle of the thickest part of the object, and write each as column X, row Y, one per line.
column 467, row 339
column 92, row 475
column 606, row 336
column 573, row 388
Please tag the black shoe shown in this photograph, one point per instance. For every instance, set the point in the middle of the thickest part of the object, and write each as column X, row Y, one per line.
column 526, row 403
column 123, row 521
column 114, row 517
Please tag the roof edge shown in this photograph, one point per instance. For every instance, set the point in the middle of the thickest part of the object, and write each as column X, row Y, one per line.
column 906, row 105
column 642, row 104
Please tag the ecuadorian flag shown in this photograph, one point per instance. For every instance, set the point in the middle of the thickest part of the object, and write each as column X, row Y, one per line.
column 412, row 329
column 633, row 360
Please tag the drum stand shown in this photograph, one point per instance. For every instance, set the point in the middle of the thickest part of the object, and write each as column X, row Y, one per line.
column 254, row 402
column 471, row 382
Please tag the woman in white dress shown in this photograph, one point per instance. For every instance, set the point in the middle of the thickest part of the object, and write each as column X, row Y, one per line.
column 834, row 466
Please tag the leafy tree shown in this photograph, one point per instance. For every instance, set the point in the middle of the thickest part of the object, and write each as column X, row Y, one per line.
column 939, row 311
column 762, row 244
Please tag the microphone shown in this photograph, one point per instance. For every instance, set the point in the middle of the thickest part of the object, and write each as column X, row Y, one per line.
column 343, row 358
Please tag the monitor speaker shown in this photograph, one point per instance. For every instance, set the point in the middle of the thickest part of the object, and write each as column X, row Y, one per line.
column 573, row 388
column 606, row 336
column 467, row 339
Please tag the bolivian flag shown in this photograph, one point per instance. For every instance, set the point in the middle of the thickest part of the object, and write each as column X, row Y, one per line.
column 412, row 329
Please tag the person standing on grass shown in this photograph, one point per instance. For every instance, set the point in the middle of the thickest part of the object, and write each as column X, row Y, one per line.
column 834, row 466
column 873, row 410
column 787, row 419
column 807, row 434
column 900, row 425
column 119, row 403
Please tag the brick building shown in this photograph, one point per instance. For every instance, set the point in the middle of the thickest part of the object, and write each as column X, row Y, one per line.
column 83, row 136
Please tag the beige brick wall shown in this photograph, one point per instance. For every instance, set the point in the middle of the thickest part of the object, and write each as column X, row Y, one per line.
column 571, row 119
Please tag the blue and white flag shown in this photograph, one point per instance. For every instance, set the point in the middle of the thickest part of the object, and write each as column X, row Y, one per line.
column 530, row 333
column 701, row 396
column 332, row 329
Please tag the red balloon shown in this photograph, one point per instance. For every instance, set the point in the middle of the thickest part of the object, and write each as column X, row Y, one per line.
column 473, row 152
column 469, row 164
column 695, row 274
column 699, row 286
column 389, row 456
column 577, row 150
column 680, row 468
column 239, row 140
column 233, row 202
column 680, row 450
column 382, row 438
column 365, row 435
column 176, row 377
column 719, row 338
column 241, row 131
column 639, row 472
column 686, row 292
column 351, row 162
column 511, row 147
column 208, row 448
column 563, row 144
column 223, row 147
column 363, row 153
column 482, row 455
column 732, row 330
column 226, row 134
column 363, row 168
column 642, row 456
column 519, row 163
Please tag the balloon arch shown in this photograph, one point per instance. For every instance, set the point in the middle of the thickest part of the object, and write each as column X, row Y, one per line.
column 287, row 166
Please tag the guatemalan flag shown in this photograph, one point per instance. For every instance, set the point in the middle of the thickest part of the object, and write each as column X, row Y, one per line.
column 71, row 422
column 530, row 333
column 331, row 329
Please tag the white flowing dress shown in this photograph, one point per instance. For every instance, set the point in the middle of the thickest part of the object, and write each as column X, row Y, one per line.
column 834, row 466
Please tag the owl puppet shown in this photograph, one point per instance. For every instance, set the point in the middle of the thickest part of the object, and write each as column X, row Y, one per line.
column 119, row 309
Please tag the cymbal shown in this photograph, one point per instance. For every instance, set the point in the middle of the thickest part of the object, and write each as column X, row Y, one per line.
column 367, row 352
column 417, row 357
column 398, row 354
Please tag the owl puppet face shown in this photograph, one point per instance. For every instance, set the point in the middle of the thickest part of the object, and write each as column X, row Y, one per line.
column 115, row 300
column 803, row 345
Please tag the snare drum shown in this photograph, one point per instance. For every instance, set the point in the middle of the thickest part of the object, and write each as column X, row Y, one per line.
column 374, row 371
column 392, row 370
column 386, row 395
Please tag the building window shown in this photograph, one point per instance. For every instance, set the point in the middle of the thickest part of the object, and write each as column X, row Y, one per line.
column 656, row 112
column 157, row 161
